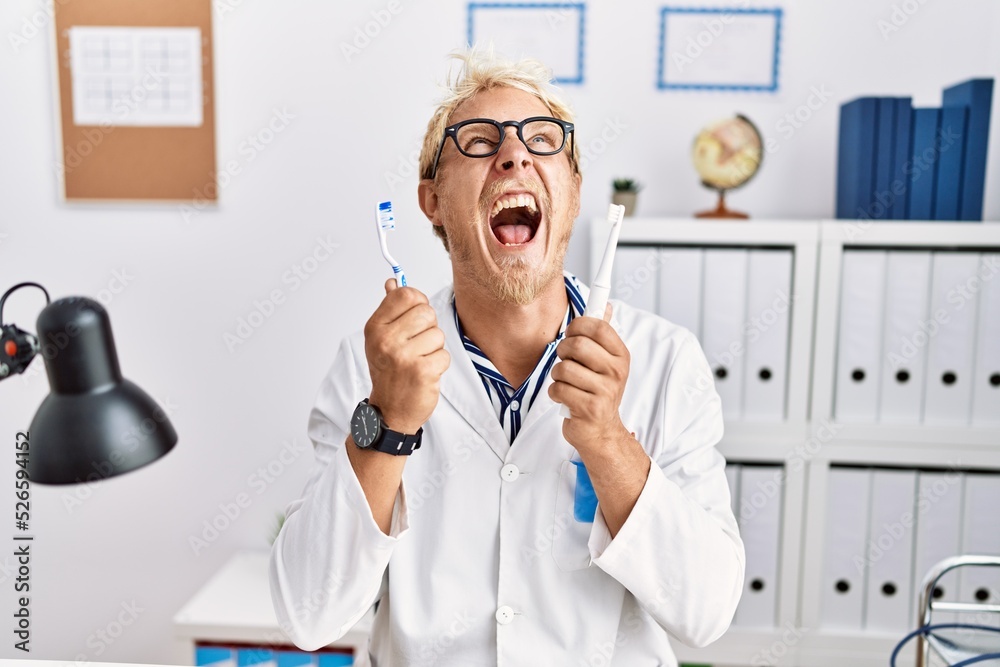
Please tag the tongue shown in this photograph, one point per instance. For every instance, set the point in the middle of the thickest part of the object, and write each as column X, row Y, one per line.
column 512, row 233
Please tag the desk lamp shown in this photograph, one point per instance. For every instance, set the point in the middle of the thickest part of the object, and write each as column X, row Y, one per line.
column 93, row 419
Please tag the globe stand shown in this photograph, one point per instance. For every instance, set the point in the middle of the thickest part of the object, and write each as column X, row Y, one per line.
column 721, row 212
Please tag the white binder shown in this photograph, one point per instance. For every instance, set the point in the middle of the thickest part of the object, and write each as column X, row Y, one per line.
column 860, row 336
column 733, row 477
column 981, row 536
column 760, row 528
column 681, row 287
column 906, row 332
column 889, row 551
column 634, row 276
column 769, row 303
column 986, row 378
column 939, row 525
column 723, row 314
column 846, row 535
column 950, row 351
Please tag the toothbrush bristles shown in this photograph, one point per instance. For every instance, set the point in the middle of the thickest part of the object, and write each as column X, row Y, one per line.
column 385, row 217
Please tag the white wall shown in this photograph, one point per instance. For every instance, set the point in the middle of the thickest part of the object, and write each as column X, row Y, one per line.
column 189, row 281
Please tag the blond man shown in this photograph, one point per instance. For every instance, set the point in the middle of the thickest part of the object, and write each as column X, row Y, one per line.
column 451, row 494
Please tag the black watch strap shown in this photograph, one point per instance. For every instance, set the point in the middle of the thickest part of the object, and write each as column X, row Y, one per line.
column 400, row 444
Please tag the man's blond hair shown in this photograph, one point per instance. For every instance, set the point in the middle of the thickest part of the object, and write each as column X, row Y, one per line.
column 481, row 70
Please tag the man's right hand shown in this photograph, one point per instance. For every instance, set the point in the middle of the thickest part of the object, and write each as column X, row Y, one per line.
column 406, row 358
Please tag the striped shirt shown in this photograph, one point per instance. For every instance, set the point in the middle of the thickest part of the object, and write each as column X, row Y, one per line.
column 509, row 403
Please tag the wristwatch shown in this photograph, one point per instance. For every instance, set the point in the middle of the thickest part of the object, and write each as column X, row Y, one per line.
column 369, row 431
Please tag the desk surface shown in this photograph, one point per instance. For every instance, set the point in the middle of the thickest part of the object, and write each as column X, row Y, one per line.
column 31, row 662
column 235, row 606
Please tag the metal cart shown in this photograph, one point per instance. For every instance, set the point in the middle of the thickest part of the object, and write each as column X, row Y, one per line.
column 956, row 645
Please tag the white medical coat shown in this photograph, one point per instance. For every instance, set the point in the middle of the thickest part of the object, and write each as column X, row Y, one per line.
column 486, row 563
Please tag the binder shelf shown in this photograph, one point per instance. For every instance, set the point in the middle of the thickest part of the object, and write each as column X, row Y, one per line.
column 859, row 369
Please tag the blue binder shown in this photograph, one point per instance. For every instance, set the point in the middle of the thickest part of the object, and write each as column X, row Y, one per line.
column 923, row 163
column 977, row 94
column 295, row 659
column 903, row 149
column 885, row 152
column 856, row 157
column 951, row 144
column 248, row 657
column 219, row 656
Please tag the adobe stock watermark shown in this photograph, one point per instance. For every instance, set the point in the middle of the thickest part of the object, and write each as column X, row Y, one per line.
column 432, row 650
column 755, row 327
column 8, row 569
column 602, row 653
column 102, row 638
column 248, row 150
column 546, row 537
column 56, row 342
column 796, row 119
column 224, row 7
column 121, row 108
column 789, row 124
column 908, row 347
column 899, row 16
column 779, row 648
column 627, row 285
column 370, row 30
column 913, row 170
column 695, row 46
column 137, row 434
column 769, row 489
column 316, row 599
column 32, row 26
column 406, row 166
column 714, row 27
column 892, row 533
column 610, row 133
column 418, row 493
column 294, row 277
column 301, row 612
column 556, row 15
column 257, row 482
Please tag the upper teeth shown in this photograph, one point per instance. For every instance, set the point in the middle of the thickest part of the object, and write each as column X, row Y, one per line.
column 514, row 201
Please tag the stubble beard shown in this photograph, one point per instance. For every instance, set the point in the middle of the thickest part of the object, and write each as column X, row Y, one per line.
column 521, row 282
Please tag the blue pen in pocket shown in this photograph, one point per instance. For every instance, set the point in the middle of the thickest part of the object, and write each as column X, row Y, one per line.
column 585, row 500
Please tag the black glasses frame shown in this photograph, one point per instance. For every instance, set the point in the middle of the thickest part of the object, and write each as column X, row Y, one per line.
column 452, row 131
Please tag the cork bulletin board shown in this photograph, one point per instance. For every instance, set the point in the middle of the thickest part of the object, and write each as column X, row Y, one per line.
column 135, row 99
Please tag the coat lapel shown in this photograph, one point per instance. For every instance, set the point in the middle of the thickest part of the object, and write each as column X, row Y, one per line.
column 461, row 385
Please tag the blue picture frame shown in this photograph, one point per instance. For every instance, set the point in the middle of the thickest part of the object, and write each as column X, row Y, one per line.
column 660, row 67
column 559, row 77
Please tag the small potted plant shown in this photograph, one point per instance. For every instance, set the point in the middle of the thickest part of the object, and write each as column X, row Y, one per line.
column 625, row 192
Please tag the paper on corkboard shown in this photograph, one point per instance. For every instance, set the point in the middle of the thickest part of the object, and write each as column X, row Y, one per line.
column 136, row 104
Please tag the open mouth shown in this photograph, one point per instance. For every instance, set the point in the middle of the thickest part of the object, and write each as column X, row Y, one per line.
column 515, row 218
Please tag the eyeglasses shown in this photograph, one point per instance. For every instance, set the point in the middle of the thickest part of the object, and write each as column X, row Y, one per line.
column 482, row 137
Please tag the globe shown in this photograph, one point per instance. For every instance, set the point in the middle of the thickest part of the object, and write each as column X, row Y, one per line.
column 726, row 154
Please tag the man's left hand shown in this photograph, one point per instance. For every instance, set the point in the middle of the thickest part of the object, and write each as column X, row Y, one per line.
column 590, row 381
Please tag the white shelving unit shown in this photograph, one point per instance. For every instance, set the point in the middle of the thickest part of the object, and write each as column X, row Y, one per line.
column 818, row 248
column 745, row 441
column 234, row 607
column 968, row 448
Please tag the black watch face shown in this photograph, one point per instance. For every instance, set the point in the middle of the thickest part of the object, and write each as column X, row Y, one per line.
column 365, row 426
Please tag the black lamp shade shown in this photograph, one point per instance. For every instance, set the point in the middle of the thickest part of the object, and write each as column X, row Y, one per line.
column 95, row 424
